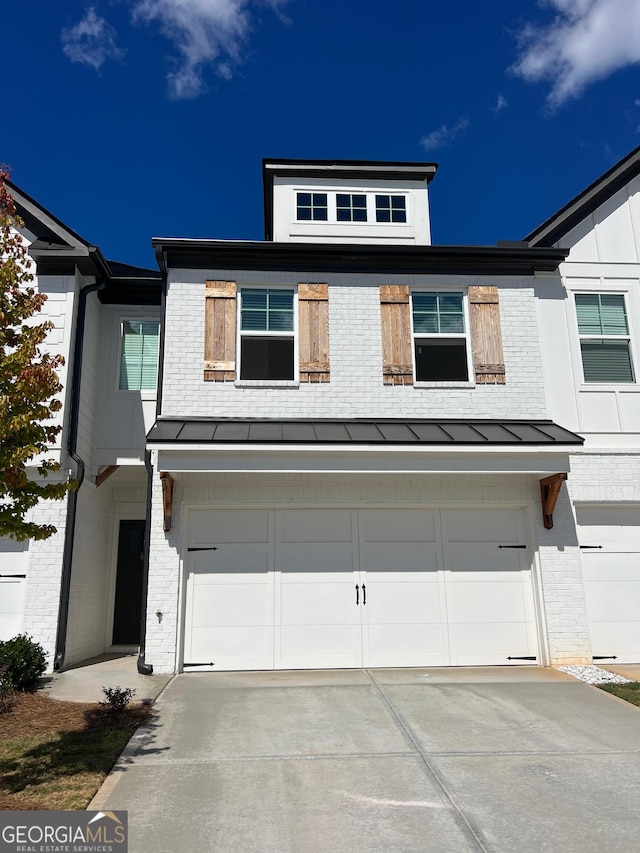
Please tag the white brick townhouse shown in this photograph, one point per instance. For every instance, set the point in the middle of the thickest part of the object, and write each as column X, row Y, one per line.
column 80, row 592
column 367, row 450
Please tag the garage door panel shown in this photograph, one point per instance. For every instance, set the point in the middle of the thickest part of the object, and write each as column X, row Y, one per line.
column 481, row 560
column 477, row 526
column 230, row 526
column 326, row 557
column 318, row 646
column 318, row 603
column 619, row 638
column 232, row 647
column 489, row 643
column 611, row 566
column 407, row 645
column 410, row 602
column 406, row 525
column 499, row 603
column 605, row 598
column 333, row 525
column 397, row 557
column 240, row 560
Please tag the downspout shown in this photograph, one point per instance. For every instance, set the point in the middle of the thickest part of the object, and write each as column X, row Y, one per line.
column 143, row 667
column 146, row 668
column 72, row 499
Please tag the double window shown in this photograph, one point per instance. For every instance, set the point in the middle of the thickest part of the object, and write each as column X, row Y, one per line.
column 267, row 333
column 138, row 355
column 439, row 336
column 605, row 343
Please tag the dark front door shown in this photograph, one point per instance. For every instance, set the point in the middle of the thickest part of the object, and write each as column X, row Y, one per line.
column 128, row 604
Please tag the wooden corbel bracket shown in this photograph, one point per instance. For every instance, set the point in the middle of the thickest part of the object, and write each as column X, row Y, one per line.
column 549, row 490
column 167, row 499
column 105, row 473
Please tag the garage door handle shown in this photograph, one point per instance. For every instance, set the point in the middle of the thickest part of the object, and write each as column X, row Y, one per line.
column 357, row 594
column 364, row 594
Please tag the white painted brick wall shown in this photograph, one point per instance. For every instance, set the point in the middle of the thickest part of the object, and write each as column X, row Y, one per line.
column 557, row 555
column 356, row 388
column 91, row 574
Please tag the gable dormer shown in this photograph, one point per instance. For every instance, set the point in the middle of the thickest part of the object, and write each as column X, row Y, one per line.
column 347, row 201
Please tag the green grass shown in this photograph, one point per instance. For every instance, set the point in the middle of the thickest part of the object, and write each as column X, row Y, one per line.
column 629, row 692
column 58, row 771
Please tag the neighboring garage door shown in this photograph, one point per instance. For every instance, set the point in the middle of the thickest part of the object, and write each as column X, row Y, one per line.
column 14, row 557
column 300, row 589
column 609, row 539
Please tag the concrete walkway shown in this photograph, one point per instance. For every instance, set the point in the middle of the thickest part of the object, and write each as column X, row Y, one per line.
column 84, row 682
column 386, row 761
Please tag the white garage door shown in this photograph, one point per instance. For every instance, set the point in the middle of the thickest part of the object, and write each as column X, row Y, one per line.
column 300, row 589
column 609, row 539
column 13, row 572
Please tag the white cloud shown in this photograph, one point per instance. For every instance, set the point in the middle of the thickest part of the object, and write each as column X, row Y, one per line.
column 501, row 104
column 444, row 135
column 91, row 41
column 587, row 41
column 205, row 32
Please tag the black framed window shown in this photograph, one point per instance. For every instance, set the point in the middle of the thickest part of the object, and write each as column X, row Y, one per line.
column 311, row 206
column 351, row 207
column 391, row 208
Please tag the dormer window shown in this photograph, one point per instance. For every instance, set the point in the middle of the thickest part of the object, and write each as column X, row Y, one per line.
column 312, row 206
column 351, row 207
column 391, row 208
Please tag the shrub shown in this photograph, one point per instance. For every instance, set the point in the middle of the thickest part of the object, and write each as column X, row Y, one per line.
column 7, row 693
column 25, row 661
column 117, row 698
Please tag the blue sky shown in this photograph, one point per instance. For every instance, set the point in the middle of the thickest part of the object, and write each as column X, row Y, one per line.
column 133, row 118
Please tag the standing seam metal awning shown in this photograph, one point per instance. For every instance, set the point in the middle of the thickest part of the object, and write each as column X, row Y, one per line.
column 361, row 431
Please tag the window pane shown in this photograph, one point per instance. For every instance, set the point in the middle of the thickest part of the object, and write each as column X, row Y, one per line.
column 320, row 199
column 450, row 302
column 304, row 213
column 281, row 300
column 397, row 202
column 399, row 216
column 320, row 213
column 359, row 201
column 139, row 356
column 304, row 199
column 342, row 200
column 606, row 361
column 254, row 299
column 382, row 201
column 344, row 215
column 265, row 358
column 425, row 301
column 280, row 321
column 441, row 360
column 383, row 216
column 614, row 319
column 254, row 320
column 425, row 323
column 359, row 215
column 451, row 323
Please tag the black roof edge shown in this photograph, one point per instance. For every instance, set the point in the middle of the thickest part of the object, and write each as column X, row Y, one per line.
column 15, row 188
column 416, row 170
column 175, row 252
column 586, row 202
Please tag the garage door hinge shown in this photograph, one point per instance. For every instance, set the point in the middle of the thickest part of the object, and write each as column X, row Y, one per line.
column 215, row 548
column 524, row 657
column 522, row 547
column 588, row 547
column 209, row 663
column 605, row 657
column 12, row 576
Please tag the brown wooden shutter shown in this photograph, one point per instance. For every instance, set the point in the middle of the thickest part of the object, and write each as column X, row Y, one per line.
column 313, row 332
column 486, row 335
column 220, row 331
column 397, row 355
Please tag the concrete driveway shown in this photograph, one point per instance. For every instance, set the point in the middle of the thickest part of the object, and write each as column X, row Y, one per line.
column 382, row 761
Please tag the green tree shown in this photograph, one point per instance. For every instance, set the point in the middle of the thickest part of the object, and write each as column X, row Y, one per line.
column 28, row 385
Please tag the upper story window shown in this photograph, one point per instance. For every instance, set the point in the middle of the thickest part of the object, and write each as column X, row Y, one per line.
column 267, row 333
column 439, row 336
column 312, row 206
column 351, row 207
column 391, row 208
column 605, row 343
column 138, row 355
